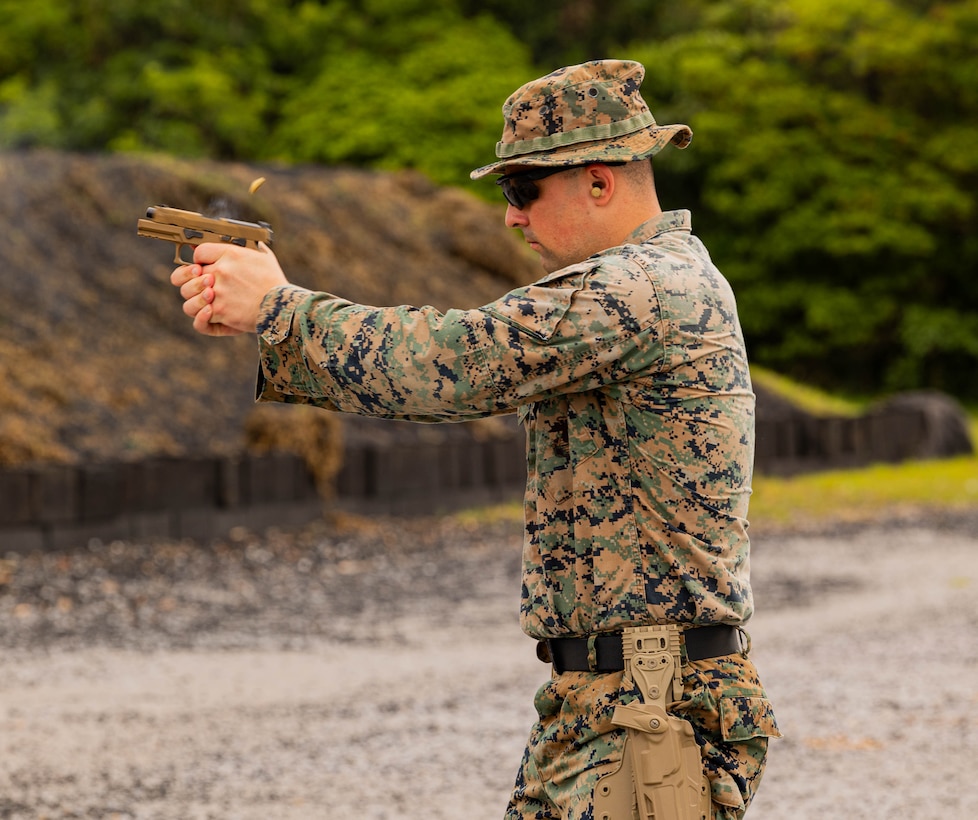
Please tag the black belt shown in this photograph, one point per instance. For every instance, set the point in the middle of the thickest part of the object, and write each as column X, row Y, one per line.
column 571, row 654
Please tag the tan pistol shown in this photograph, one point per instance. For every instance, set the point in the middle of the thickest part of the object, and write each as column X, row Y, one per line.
column 190, row 229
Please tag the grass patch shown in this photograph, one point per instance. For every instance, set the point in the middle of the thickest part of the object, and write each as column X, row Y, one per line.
column 866, row 494
column 507, row 511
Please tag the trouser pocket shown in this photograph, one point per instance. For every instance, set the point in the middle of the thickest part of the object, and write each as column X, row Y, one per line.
column 733, row 720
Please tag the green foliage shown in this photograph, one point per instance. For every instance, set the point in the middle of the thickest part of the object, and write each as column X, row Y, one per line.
column 388, row 83
column 128, row 74
column 564, row 32
column 833, row 174
column 429, row 99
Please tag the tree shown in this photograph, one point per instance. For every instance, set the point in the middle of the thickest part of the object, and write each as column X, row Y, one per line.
column 834, row 166
column 565, row 32
column 387, row 83
column 413, row 85
column 175, row 76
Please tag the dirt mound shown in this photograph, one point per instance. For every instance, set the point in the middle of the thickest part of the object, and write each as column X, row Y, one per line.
column 97, row 360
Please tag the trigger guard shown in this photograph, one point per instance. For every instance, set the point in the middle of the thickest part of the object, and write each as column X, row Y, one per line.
column 178, row 254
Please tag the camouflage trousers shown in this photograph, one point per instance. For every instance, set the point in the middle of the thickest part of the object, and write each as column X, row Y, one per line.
column 574, row 742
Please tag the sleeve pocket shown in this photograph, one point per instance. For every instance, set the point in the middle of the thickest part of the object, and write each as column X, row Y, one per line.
column 742, row 718
column 538, row 309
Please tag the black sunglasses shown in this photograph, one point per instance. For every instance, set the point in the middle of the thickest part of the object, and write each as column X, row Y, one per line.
column 521, row 189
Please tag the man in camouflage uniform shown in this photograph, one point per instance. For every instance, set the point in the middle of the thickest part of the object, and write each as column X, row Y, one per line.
column 627, row 367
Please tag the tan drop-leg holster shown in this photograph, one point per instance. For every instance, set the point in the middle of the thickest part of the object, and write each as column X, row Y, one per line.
column 661, row 774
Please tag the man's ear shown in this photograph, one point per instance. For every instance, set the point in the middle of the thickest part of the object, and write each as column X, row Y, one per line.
column 601, row 181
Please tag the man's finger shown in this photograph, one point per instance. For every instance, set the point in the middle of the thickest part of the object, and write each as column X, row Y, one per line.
column 190, row 308
column 203, row 324
column 184, row 274
column 199, row 285
column 209, row 252
column 202, row 320
column 193, row 305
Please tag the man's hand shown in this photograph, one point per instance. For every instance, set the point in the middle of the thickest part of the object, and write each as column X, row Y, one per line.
column 223, row 289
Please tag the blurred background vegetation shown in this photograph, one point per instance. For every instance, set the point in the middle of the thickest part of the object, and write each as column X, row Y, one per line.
column 833, row 173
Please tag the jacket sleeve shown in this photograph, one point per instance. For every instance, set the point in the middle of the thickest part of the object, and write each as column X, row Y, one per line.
column 398, row 362
column 566, row 333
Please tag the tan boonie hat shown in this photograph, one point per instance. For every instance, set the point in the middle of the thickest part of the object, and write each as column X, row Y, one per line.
column 592, row 112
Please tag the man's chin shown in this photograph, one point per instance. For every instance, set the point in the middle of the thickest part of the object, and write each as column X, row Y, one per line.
column 550, row 264
column 547, row 262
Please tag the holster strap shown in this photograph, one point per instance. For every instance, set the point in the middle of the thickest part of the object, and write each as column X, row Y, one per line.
column 572, row 654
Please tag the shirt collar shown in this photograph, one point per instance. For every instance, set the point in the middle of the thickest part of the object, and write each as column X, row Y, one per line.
column 663, row 223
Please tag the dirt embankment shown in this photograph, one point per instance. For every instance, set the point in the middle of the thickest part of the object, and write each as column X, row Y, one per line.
column 97, row 360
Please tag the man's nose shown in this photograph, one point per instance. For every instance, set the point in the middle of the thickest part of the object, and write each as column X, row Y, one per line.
column 515, row 217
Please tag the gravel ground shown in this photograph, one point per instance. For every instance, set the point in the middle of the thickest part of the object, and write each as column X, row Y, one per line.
column 376, row 670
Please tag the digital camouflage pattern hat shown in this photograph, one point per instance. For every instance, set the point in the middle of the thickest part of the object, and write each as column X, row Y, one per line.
column 592, row 112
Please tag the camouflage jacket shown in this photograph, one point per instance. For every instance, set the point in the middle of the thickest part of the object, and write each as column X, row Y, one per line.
column 629, row 373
